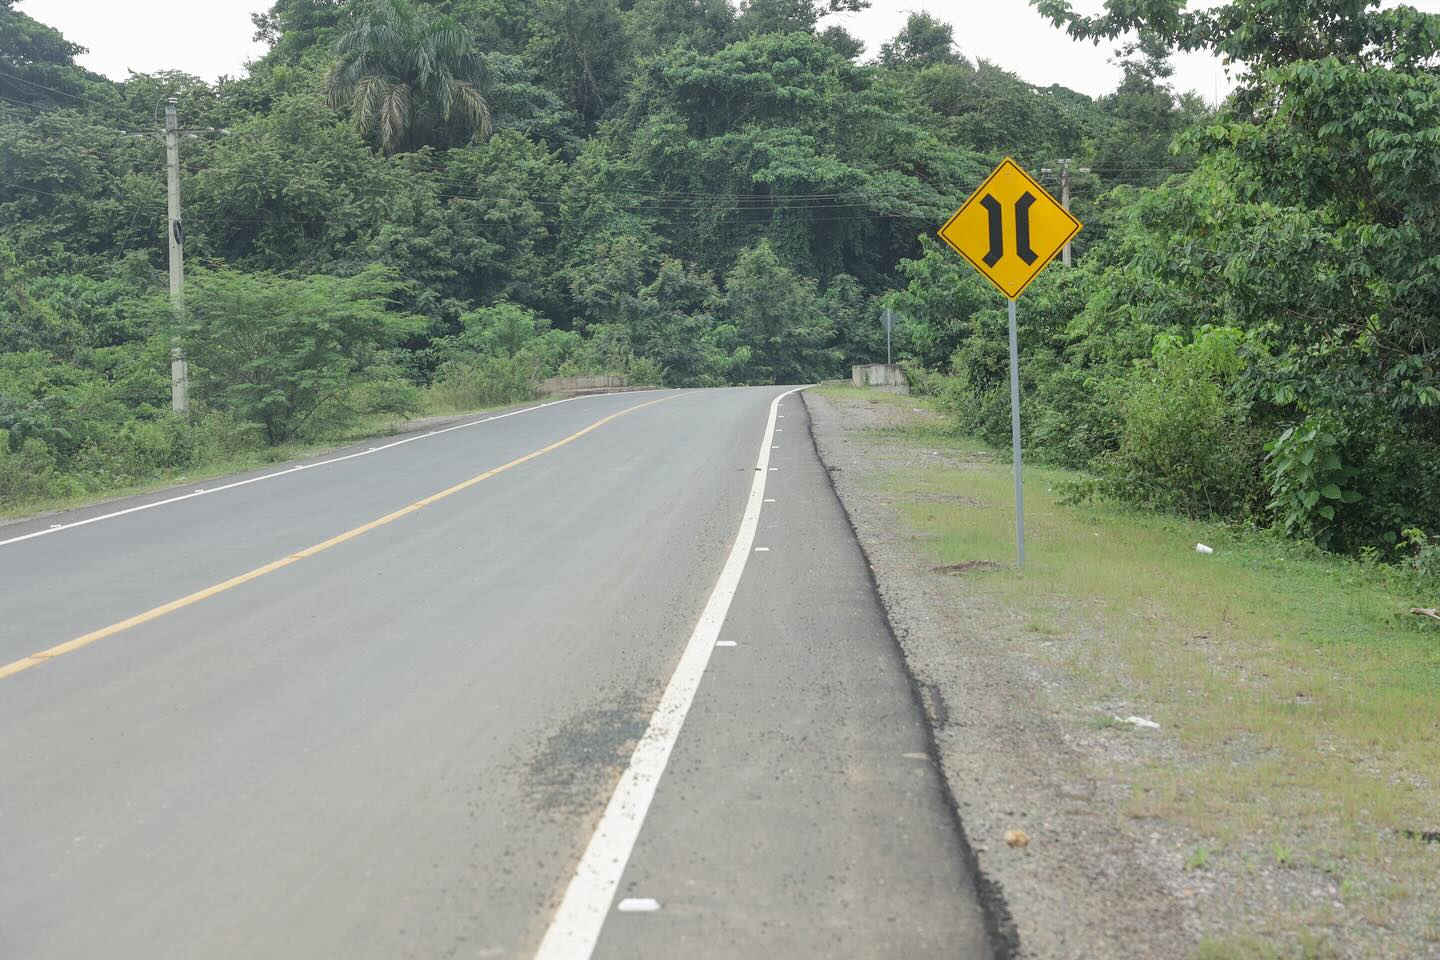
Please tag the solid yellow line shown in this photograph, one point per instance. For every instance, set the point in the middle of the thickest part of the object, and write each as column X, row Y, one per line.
column 69, row 646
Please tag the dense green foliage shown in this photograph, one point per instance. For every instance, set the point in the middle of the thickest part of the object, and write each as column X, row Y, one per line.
column 1257, row 338
column 434, row 205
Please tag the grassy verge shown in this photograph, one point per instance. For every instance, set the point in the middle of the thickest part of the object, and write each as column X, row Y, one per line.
column 1302, row 695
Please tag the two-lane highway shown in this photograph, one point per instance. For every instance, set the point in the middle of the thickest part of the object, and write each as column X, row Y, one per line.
column 392, row 706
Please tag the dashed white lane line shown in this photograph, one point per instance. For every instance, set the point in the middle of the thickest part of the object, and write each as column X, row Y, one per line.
column 725, row 643
column 56, row 528
column 769, row 499
column 638, row 905
column 762, row 549
column 577, row 923
column 773, row 469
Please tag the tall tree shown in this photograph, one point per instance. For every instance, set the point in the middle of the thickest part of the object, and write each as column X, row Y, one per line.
column 410, row 77
column 924, row 42
column 290, row 27
column 791, row 16
column 40, row 63
column 1148, row 116
column 580, row 46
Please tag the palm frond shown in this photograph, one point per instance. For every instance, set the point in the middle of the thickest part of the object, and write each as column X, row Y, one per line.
column 395, row 117
column 474, row 105
column 426, row 65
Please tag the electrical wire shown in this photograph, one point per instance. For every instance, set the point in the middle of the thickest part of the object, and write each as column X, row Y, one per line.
column 63, row 93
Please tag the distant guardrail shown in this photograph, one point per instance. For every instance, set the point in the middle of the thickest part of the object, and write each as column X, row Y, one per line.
column 579, row 386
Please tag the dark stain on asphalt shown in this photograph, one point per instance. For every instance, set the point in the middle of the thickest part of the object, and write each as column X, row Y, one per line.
column 578, row 763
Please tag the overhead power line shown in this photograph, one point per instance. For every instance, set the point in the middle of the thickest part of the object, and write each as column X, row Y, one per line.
column 63, row 93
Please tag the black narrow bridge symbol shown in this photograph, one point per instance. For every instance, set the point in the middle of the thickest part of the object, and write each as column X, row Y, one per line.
column 997, row 228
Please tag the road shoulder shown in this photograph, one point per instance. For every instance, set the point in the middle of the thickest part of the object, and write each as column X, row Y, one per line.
column 800, row 814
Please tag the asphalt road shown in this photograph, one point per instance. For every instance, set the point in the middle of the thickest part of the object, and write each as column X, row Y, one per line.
column 262, row 724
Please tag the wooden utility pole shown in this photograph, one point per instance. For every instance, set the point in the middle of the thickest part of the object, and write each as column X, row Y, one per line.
column 179, row 368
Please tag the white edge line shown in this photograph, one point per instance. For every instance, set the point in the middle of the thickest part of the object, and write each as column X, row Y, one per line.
column 575, row 928
column 296, row 469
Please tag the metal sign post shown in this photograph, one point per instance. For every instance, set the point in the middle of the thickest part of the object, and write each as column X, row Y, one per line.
column 1015, row 436
column 1009, row 230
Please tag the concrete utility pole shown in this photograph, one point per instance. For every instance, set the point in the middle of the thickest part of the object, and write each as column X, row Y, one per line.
column 1065, row 193
column 1065, row 199
column 179, row 368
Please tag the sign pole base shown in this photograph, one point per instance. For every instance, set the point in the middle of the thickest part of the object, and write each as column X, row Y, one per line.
column 1015, row 436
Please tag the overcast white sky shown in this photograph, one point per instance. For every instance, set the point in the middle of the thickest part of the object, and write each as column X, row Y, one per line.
column 212, row 37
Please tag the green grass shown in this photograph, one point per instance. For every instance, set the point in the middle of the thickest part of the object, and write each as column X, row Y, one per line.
column 1304, row 695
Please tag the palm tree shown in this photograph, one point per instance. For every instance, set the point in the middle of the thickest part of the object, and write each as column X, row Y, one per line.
column 410, row 78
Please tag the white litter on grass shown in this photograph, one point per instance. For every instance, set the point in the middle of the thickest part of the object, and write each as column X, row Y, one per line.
column 1145, row 722
column 1202, row 548
column 638, row 905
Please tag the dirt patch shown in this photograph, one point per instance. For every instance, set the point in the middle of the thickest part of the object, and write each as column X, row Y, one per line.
column 956, row 569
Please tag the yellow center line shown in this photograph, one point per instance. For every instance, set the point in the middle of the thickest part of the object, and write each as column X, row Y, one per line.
column 69, row 646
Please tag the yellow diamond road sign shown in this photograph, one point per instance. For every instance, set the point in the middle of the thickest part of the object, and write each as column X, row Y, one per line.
column 1010, row 228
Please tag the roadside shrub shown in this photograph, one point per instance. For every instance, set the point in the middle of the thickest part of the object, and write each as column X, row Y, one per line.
column 1421, row 557
column 923, row 383
column 1074, row 416
column 645, row 372
column 1308, row 480
column 388, row 397
column 281, row 351
column 226, row 436
column 28, row 472
column 141, row 450
column 391, row 397
column 1184, row 444
column 483, row 381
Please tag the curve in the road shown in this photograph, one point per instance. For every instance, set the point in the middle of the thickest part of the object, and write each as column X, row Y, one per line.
column 209, row 491
column 155, row 613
